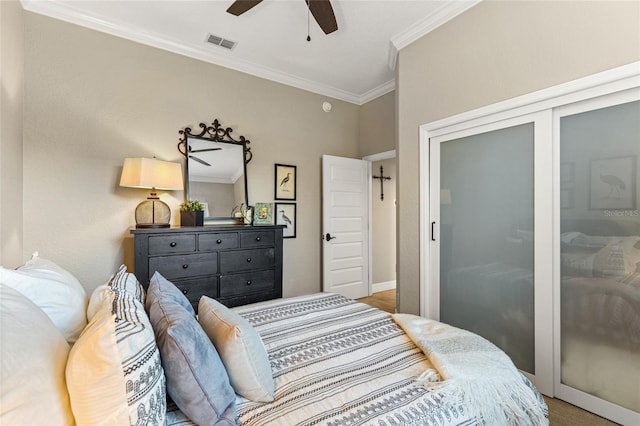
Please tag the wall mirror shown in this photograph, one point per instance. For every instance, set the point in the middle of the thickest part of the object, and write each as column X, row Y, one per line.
column 216, row 170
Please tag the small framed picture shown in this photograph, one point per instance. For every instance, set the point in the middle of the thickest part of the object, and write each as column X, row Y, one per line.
column 285, row 182
column 286, row 215
column 263, row 214
column 612, row 183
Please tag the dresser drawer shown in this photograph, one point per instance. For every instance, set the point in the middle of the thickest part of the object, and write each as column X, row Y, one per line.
column 245, row 283
column 183, row 266
column 246, row 260
column 257, row 239
column 208, row 242
column 196, row 288
column 167, row 244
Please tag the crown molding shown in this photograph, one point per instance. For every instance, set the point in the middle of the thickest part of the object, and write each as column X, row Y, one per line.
column 69, row 14
column 442, row 15
column 376, row 92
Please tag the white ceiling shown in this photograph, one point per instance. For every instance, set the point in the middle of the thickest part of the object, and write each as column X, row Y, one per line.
column 354, row 64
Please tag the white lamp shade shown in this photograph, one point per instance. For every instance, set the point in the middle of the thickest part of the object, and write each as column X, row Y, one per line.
column 151, row 173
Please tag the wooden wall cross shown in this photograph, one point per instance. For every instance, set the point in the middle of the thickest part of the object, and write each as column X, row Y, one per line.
column 382, row 178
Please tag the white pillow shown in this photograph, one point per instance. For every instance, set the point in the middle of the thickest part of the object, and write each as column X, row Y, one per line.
column 242, row 351
column 34, row 355
column 120, row 281
column 114, row 373
column 54, row 290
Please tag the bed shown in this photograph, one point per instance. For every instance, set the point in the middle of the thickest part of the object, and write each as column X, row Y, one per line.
column 331, row 361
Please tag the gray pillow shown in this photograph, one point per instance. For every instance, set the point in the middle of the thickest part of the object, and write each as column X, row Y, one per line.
column 196, row 378
column 242, row 351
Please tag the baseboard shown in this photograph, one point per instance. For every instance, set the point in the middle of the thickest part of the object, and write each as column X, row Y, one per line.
column 387, row 285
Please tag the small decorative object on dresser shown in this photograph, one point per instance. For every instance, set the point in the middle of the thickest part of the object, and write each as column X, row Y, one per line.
column 263, row 214
column 234, row 264
column 191, row 213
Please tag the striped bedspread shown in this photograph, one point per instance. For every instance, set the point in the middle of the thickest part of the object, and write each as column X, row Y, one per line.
column 340, row 362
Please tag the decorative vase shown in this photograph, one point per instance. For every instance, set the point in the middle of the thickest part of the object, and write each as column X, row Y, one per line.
column 192, row 218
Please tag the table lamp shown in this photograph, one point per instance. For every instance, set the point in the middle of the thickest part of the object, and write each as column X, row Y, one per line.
column 154, row 174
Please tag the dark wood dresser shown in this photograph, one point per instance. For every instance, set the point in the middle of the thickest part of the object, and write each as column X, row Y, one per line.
column 234, row 264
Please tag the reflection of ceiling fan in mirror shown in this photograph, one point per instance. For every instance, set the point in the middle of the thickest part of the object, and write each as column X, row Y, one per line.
column 320, row 9
column 199, row 160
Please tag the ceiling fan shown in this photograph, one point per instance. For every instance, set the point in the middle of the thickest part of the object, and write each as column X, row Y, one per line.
column 199, row 160
column 320, row 9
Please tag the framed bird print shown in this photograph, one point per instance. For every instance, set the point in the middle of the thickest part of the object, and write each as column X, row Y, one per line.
column 612, row 183
column 286, row 215
column 285, row 182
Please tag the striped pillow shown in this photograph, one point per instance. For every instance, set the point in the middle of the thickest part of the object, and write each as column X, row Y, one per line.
column 122, row 281
column 114, row 373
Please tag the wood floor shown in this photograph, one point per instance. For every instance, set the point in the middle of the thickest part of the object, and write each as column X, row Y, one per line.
column 385, row 300
column 560, row 413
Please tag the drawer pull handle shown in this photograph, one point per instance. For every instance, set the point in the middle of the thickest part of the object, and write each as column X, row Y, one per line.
column 173, row 244
column 258, row 238
column 219, row 241
column 185, row 266
column 185, row 291
column 248, row 259
column 248, row 282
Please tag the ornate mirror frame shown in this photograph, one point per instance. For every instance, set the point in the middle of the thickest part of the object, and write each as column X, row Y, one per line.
column 215, row 133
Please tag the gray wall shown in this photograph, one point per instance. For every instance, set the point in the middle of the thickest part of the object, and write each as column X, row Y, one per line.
column 377, row 125
column 11, row 105
column 383, row 217
column 92, row 99
column 495, row 51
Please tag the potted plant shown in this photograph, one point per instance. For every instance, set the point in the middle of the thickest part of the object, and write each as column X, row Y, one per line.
column 191, row 213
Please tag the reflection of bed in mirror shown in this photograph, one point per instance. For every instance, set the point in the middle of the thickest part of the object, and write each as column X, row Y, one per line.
column 600, row 308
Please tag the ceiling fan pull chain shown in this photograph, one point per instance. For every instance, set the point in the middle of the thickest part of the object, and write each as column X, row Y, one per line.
column 308, row 13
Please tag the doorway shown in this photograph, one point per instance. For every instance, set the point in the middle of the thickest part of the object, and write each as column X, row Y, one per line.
column 383, row 230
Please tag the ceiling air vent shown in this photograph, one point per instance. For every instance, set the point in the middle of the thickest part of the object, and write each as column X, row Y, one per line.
column 222, row 42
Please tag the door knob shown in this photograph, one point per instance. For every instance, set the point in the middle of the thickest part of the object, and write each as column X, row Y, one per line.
column 328, row 237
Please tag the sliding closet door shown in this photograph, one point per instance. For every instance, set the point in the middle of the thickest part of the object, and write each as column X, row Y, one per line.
column 598, row 273
column 484, row 217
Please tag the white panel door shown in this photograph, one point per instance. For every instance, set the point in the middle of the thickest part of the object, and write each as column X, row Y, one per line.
column 345, row 223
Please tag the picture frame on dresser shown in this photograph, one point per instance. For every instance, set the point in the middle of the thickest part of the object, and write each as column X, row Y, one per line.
column 263, row 214
column 285, row 182
column 285, row 214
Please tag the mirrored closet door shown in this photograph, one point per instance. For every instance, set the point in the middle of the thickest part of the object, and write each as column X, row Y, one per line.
column 484, row 238
column 532, row 236
column 598, row 273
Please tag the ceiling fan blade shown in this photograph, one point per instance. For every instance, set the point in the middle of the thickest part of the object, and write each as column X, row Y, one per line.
column 239, row 7
column 323, row 14
column 199, row 160
column 205, row 150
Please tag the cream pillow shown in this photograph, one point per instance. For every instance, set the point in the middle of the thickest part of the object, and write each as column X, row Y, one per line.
column 114, row 373
column 241, row 349
column 34, row 354
column 120, row 281
column 54, row 290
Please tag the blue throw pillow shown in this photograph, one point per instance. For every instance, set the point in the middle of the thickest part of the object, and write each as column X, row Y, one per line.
column 196, row 378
